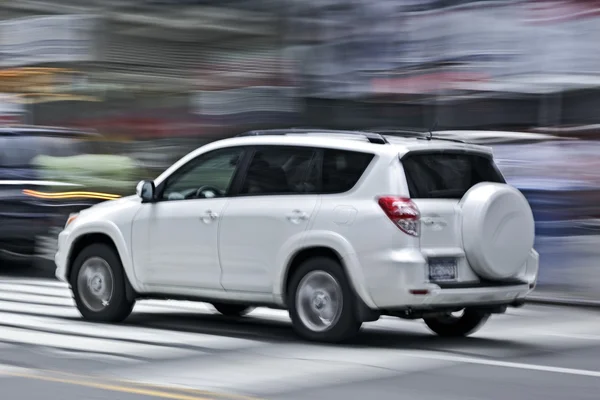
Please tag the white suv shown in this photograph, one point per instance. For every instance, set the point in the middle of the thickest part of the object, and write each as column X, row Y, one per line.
column 337, row 227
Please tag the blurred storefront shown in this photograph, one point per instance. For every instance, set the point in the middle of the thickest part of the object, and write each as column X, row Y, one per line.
column 518, row 63
column 140, row 66
column 182, row 72
column 47, row 59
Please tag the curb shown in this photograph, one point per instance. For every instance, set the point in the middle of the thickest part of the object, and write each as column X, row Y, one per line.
column 563, row 301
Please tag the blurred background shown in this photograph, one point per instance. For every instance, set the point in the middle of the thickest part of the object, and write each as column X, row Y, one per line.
column 157, row 78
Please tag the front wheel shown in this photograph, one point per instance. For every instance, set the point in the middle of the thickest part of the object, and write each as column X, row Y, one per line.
column 449, row 325
column 98, row 284
column 321, row 302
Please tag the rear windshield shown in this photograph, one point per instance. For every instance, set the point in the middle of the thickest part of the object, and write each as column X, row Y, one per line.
column 447, row 175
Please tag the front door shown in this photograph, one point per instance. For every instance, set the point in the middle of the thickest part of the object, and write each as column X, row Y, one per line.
column 175, row 238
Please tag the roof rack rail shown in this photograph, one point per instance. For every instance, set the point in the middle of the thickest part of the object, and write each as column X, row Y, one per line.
column 372, row 137
column 411, row 133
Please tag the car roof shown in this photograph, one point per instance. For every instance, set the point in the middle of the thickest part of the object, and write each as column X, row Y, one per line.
column 323, row 138
column 16, row 130
column 349, row 140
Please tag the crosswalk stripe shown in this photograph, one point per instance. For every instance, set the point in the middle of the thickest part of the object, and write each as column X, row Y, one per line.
column 39, row 309
column 52, row 291
column 36, row 299
column 42, row 314
column 36, row 282
column 85, row 344
column 173, row 305
column 152, row 336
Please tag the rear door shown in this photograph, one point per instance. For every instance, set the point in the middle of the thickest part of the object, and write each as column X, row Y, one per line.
column 273, row 208
column 437, row 181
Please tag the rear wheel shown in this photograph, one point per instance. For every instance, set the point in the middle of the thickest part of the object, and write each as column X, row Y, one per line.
column 449, row 325
column 98, row 284
column 321, row 302
column 232, row 310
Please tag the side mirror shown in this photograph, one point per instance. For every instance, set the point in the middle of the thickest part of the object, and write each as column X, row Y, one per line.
column 145, row 190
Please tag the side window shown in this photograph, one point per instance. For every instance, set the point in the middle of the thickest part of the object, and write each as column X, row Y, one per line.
column 207, row 176
column 444, row 175
column 342, row 169
column 281, row 170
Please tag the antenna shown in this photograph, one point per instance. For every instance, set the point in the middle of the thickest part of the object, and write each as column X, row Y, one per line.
column 433, row 128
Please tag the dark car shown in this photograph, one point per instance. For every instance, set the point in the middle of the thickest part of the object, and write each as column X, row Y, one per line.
column 33, row 210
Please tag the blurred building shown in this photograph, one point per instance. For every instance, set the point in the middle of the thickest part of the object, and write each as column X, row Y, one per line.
column 154, row 59
column 187, row 67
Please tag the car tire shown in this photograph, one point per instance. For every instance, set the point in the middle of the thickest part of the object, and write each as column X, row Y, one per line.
column 232, row 310
column 334, row 298
column 98, row 285
column 456, row 326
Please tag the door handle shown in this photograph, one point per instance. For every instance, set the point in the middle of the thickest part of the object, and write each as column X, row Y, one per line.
column 296, row 216
column 209, row 216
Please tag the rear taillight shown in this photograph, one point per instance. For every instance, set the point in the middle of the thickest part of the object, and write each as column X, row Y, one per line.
column 403, row 212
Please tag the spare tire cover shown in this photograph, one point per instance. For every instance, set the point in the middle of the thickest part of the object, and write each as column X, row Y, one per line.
column 498, row 230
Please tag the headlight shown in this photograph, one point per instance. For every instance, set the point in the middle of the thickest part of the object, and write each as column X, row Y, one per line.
column 72, row 217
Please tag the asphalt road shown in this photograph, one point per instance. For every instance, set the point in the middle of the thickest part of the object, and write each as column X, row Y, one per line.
column 185, row 351
column 34, row 389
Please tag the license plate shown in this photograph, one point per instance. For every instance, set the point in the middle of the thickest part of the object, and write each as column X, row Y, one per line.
column 442, row 269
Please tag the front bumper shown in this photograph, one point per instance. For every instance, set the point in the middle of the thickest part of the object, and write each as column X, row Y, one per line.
column 61, row 258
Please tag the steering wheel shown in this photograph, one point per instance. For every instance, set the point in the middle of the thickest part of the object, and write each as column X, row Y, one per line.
column 207, row 188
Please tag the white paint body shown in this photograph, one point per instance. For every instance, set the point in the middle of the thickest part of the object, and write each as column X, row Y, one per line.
column 243, row 253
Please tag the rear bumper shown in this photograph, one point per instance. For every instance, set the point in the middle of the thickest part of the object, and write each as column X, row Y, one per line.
column 401, row 283
column 438, row 297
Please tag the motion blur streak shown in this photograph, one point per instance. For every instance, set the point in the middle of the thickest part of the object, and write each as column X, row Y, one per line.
column 71, row 195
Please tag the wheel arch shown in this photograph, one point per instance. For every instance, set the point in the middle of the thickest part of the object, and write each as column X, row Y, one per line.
column 365, row 307
column 87, row 238
column 302, row 255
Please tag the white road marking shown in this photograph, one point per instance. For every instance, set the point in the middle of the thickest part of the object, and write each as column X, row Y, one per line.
column 502, row 364
column 280, row 368
column 39, row 309
column 35, row 282
column 54, row 291
column 105, row 358
column 123, row 332
column 92, row 345
column 42, row 314
column 36, row 298
column 572, row 336
column 163, row 305
column 291, row 367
